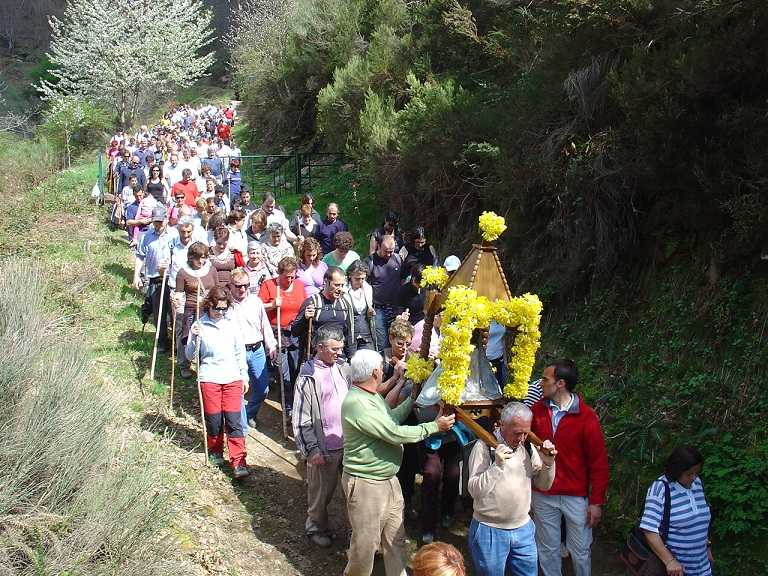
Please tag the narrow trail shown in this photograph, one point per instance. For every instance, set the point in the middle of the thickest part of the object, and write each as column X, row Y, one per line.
column 256, row 526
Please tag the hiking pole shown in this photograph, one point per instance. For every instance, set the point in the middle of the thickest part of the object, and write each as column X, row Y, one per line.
column 173, row 359
column 309, row 338
column 173, row 345
column 157, row 327
column 199, row 387
column 280, row 365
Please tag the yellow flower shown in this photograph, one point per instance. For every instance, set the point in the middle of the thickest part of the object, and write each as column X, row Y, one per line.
column 435, row 276
column 491, row 226
column 418, row 369
column 524, row 313
column 464, row 311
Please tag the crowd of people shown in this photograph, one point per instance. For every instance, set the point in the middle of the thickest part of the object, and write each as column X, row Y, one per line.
column 241, row 290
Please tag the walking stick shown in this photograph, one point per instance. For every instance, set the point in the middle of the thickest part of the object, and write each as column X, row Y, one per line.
column 309, row 339
column 173, row 345
column 157, row 328
column 199, row 387
column 280, row 365
column 173, row 360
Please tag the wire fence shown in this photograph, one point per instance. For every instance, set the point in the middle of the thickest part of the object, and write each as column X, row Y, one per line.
column 281, row 174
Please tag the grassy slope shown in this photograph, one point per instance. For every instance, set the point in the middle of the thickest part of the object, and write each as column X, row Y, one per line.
column 88, row 267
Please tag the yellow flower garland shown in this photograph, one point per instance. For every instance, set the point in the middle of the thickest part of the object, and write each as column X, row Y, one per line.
column 418, row 368
column 491, row 226
column 436, row 276
column 524, row 313
column 464, row 312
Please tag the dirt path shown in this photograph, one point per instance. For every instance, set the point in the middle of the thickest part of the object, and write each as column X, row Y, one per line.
column 255, row 526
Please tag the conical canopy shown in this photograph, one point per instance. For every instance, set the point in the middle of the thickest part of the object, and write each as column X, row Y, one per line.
column 481, row 271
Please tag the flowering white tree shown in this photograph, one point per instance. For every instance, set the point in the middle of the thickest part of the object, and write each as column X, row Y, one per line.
column 127, row 53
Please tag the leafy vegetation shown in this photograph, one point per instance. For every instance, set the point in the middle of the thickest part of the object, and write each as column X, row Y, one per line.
column 623, row 142
column 101, row 55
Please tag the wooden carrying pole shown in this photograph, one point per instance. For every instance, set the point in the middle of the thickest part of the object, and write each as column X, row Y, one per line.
column 199, row 387
column 482, row 433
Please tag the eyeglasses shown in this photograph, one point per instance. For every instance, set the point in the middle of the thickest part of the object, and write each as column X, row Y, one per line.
column 241, row 286
column 220, row 309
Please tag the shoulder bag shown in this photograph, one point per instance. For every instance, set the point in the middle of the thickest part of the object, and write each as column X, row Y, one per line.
column 637, row 554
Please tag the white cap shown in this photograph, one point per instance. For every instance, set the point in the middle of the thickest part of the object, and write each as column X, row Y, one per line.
column 452, row 263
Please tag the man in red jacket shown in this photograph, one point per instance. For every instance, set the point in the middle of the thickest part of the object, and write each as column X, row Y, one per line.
column 578, row 492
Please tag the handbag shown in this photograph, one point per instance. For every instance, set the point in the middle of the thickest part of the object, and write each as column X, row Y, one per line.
column 118, row 215
column 637, row 554
column 652, row 567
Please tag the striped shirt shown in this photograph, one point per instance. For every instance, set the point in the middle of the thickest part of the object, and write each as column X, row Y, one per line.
column 688, row 524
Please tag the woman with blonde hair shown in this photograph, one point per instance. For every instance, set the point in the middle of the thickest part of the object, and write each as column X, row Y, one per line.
column 438, row 559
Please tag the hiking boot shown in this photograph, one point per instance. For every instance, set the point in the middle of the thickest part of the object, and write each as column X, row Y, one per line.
column 217, row 458
column 241, row 472
column 428, row 537
column 186, row 373
column 319, row 539
column 253, row 423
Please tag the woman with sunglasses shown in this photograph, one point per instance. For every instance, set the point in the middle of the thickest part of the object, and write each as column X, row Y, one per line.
column 223, row 375
column 157, row 186
column 174, row 211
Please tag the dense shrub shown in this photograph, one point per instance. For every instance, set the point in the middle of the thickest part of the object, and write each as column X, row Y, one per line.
column 71, row 499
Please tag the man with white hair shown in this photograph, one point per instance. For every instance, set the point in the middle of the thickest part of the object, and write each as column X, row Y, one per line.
column 373, row 452
column 502, row 532
column 216, row 163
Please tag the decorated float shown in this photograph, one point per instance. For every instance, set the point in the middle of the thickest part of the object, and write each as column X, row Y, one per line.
column 476, row 293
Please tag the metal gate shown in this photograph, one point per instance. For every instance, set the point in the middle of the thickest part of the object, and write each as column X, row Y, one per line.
column 279, row 173
column 286, row 173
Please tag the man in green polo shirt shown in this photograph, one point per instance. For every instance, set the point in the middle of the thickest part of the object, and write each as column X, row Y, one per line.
column 373, row 452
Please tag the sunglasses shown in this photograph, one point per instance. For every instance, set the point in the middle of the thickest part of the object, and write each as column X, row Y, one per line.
column 241, row 286
column 221, row 309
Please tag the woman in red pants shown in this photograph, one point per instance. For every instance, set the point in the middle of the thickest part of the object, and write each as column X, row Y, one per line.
column 223, row 375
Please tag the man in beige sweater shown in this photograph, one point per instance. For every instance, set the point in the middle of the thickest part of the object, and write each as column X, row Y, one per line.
column 502, row 532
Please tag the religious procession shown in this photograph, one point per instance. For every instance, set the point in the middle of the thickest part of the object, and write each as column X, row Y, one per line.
column 388, row 365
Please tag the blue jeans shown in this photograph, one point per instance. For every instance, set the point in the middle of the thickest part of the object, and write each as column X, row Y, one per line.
column 385, row 315
column 493, row 548
column 258, row 380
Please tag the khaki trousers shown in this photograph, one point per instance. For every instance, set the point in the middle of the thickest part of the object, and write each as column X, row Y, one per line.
column 375, row 510
column 321, row 484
